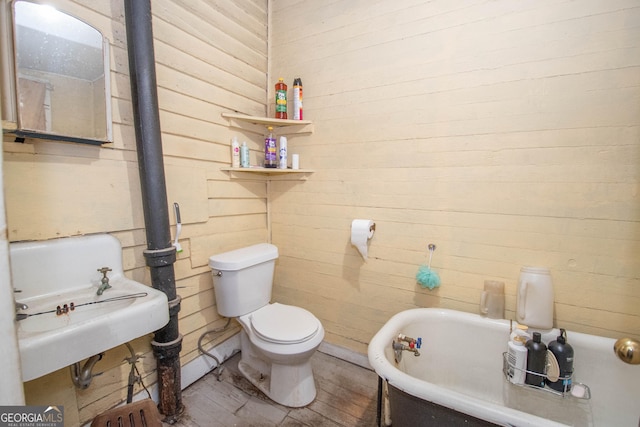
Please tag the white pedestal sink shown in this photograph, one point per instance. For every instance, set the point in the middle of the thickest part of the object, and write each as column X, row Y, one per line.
column 56, row 272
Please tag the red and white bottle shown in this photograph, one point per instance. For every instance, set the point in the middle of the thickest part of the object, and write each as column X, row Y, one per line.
column 297, row 99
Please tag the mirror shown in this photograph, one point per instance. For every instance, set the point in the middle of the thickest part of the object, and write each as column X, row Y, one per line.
column 61, row 76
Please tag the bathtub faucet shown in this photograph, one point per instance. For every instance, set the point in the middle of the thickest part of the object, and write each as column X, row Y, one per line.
column 417, row 343
column 412, row 345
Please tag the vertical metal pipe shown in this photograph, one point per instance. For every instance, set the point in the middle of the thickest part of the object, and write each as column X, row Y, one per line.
column 160, row 255
column 379, row 404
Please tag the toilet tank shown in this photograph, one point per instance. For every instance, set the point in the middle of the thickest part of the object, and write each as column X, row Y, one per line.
column 243, row 278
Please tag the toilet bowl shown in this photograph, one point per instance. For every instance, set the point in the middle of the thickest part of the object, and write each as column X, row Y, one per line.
column 283, row 333
column 277, row 359
column 277, row 340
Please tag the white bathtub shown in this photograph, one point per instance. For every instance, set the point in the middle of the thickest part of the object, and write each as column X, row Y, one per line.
column 460, row 367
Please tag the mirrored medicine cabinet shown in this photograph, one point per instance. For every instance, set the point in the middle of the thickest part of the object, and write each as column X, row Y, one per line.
column 55, row 75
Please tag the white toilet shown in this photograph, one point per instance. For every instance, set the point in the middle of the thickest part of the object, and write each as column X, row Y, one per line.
column 277, row 340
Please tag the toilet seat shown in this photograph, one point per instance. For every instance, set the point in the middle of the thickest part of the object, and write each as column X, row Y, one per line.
column 284, row 324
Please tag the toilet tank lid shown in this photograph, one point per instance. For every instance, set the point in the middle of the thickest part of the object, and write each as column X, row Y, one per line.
column 243, row 257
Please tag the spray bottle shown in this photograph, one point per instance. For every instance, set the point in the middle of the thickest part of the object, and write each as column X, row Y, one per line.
column 235, row 153
column 282, row 153
column 297, row 98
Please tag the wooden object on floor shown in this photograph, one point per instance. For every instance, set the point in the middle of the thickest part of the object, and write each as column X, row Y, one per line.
column 143, row 413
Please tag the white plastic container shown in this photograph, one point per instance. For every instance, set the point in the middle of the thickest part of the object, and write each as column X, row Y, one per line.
column 244, row 155
column 517, row 359
column 534, row 306
column 235, row 153
column 282, row 153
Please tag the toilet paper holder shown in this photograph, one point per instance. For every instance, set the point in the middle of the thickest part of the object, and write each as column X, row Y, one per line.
column 373, row 227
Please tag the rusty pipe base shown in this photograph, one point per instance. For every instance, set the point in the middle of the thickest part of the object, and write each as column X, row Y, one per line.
column 169, row 379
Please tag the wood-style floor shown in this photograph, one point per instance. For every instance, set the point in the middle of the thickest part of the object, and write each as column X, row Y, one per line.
column 347, row 396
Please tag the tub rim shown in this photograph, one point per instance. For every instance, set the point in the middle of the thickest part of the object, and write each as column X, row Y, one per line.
column 451, row 399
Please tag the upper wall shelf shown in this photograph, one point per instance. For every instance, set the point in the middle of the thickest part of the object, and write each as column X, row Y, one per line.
column 267, row 171
column 305, row 126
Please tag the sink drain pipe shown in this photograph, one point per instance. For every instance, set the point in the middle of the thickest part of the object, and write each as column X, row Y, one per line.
column 160, row 255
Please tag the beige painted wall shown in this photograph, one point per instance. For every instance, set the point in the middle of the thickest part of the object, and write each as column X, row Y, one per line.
column 211, row 57
column 504, row 132
column 507, row 133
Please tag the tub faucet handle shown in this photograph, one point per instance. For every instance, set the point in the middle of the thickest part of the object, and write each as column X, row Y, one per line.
column 398, row 347
column 417, row 343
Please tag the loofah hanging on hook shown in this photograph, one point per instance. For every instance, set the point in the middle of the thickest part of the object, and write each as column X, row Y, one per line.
column 426, row 277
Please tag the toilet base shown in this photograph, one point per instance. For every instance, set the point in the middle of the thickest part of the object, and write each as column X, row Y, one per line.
column 288, row 385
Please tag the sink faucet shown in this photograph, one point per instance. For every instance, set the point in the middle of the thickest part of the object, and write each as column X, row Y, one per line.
column 20, row 306
column 104, row 282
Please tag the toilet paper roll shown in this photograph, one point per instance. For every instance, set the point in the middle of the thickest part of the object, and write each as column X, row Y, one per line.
column 361, row 231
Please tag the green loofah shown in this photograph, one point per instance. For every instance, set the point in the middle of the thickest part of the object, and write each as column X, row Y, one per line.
column 427, row 278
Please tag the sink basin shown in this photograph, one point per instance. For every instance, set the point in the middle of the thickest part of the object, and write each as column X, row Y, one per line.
column 64, row 272
column 44, row 316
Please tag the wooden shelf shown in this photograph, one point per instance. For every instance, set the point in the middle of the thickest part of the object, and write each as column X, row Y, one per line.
column 294, row 127
column 306, row 125
column 267, row 171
